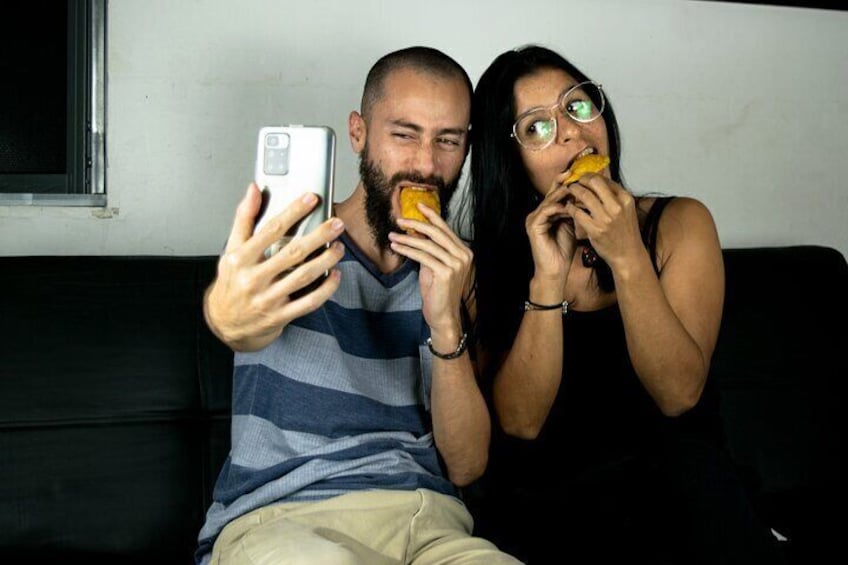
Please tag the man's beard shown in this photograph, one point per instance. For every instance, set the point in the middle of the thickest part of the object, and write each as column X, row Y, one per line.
column 378, row 196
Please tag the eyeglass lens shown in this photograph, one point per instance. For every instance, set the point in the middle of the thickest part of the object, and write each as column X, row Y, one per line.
column 579, row 103
column 538, row 128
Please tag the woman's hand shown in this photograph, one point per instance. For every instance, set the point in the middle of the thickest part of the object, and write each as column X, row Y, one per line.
column 606, row 212
column 551, row 234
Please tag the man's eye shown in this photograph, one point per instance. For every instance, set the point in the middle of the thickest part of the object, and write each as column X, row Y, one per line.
column 448, row 143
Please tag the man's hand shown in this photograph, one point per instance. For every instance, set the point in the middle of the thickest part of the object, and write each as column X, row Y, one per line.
column 445, row 273
column 461, row 423
column 249, row 303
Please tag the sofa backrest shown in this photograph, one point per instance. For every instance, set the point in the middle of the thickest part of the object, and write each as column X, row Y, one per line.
column 115, row 397
column 782, row 364
column 114, row 407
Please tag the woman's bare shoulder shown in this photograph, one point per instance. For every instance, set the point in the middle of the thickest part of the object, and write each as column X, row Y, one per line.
column 687, row 213
column 686, row 223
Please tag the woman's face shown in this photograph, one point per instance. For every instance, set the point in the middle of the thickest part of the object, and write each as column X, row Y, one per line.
column 542, row 89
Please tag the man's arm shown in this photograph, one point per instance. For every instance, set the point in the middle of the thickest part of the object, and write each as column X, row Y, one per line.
column 461, row 422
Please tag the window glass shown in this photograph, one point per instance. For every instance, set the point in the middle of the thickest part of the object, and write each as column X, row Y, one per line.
column 51, row 106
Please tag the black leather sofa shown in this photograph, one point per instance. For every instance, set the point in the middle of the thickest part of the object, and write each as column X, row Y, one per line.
column 114, row 401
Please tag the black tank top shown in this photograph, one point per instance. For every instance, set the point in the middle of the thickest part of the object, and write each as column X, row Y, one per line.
column 602, row 414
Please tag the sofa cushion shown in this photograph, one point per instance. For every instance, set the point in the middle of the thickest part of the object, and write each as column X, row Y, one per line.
column 114, row 406
column 782, row 363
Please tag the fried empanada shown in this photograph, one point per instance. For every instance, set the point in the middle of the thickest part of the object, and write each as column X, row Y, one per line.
column 586, row 164
column 410, row 196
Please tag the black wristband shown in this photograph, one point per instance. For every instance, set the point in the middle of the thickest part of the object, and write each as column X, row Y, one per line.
column 530, row 305
column 460, row 349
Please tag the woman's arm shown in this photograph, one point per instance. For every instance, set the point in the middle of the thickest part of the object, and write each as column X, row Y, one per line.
column 672, row 322
column 528, row 378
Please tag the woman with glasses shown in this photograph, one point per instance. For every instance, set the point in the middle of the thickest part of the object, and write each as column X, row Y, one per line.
column 596, row 314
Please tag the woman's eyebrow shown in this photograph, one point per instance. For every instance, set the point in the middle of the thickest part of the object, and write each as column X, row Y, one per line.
column 546, row 106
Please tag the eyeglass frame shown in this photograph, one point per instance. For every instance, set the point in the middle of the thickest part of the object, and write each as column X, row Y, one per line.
column 553, row 116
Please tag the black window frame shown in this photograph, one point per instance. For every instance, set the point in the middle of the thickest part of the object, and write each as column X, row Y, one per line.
column 84, row 181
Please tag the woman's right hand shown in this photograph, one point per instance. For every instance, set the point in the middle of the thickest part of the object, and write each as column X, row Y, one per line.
column 551, row 234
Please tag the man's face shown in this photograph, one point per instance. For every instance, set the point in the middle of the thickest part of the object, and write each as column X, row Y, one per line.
column 379, row 191
column 417, row 134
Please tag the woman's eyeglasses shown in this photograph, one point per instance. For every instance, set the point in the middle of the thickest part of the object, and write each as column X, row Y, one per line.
column 535, row 129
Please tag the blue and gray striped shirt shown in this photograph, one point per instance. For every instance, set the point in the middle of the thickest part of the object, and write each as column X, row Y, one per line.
column 338, row 403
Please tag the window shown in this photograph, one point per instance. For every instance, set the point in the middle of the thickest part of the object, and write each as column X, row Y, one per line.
column 52, row 106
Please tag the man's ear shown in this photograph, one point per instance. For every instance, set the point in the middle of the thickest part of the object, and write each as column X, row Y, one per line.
column 356, row 131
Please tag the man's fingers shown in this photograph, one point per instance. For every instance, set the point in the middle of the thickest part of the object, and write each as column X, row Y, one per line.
column 299, row 249
column 245, row 217
column 302, row 305
column 278, row 226
column 429, row 253
column 437, row 229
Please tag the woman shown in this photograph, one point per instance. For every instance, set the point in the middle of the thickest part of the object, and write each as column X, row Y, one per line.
column 597, row 312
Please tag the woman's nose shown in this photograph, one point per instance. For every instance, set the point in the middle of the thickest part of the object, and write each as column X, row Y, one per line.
column 567, row 129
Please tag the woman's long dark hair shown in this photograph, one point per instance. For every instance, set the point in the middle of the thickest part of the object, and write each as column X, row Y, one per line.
column 501, row 194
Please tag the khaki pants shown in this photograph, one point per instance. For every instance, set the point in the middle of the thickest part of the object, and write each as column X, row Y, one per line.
column 419, row 527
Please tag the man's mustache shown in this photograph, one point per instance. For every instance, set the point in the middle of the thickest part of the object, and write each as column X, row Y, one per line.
column 417, row 178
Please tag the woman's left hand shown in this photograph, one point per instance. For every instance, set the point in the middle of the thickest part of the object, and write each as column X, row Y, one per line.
column 606, row 212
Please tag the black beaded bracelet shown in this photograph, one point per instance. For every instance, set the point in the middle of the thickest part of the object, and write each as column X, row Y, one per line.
column 460, row 349
column 530, row 305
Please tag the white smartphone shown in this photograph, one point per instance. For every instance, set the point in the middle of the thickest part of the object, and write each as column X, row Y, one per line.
column 292, row 160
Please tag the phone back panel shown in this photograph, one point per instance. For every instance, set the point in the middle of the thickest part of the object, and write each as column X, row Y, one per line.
column 290, row 161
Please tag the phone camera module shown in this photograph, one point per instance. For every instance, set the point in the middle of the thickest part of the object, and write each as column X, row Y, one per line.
column 276, row 154
column 277, row 140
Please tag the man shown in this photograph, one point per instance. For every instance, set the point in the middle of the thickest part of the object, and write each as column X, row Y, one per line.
column 356, row 413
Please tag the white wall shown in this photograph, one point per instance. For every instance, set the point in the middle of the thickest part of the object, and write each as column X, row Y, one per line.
column 741, row 106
